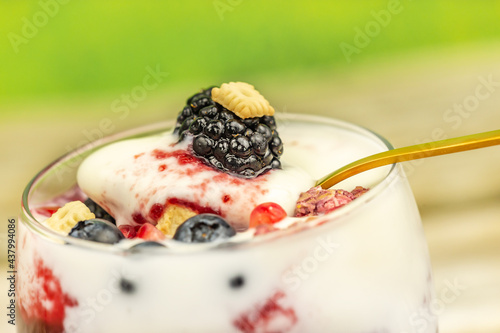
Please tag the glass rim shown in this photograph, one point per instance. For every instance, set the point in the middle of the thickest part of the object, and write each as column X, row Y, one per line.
column 36, row 226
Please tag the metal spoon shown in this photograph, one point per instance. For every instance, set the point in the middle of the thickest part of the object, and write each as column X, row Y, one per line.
column 429, row 149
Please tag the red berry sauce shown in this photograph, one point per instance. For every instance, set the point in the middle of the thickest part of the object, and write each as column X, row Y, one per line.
column 193, row 206
column 46, row 211
column 47, row 302
column 262, row 317
column 156, row 211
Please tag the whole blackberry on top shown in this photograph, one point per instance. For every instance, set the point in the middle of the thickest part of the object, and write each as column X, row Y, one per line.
column 233, row 129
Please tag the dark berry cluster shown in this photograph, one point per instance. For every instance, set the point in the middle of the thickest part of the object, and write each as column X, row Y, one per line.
column 244, row 147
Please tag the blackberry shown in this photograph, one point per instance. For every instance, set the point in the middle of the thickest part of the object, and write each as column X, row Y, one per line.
column 202, row 145
column 198, row 125
column 199, row 101
column 215, row 129
column 259, row 143
column 98, row 211
column 265, row 131
column 242, row 147
column 276, row 145
column 234, row 127
column 208, row 112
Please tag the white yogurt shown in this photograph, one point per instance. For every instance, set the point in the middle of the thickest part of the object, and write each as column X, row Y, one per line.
column 129, row 177
column 365, row 269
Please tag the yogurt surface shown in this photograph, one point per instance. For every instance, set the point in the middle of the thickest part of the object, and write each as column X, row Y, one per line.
column 130, row 177
column 365, row 260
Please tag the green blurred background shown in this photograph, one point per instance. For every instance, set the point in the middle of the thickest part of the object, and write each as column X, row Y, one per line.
column 101, row 47
column 396, row 67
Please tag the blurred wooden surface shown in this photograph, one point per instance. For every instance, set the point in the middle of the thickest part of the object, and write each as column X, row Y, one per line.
column 406, row 100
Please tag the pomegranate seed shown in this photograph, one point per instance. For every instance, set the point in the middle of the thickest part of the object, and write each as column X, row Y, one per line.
column 128, row 231
column 150, row 232
column 266, row 213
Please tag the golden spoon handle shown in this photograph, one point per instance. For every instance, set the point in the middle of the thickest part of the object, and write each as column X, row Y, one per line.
column 429, row 149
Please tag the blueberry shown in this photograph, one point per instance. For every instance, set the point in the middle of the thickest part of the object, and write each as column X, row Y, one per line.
column 143, row 245
column 203, row 228
column 98, row 211
column 237, row 282
column 127, row 286
column 97, row 230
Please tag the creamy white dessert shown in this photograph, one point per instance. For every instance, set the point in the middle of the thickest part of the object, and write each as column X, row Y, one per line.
column 214, row 226
column 128, row 178
column 365, row 260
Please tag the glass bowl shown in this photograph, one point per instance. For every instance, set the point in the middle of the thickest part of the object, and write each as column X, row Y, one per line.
column 362, row 268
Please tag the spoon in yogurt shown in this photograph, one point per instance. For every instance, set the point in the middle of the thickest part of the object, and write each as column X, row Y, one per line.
column 429, row 149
